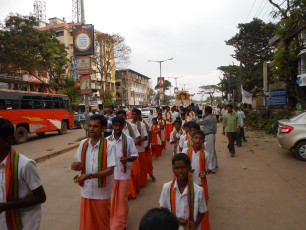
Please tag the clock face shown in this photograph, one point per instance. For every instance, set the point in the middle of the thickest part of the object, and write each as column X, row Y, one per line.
column 82, row 41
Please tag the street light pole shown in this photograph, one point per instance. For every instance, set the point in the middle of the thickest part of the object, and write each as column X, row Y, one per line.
column 160, row 73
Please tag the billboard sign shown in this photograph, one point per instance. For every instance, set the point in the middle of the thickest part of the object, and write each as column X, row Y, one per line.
column 278, row 97
column 161, row 82
column 83, row 65
column 85, row 83
column 83, row 39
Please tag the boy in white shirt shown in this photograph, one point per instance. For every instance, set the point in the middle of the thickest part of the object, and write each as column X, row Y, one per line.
column 126, row 153
column 20, row 208
column 175, row 136
column 177, row 198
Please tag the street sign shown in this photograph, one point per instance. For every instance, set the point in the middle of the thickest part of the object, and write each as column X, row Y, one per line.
column 83, row 65
column 85, row 83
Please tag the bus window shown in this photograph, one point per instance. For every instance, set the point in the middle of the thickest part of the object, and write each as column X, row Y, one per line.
column 38, row 104
column 48, row 104
column 62, row 105
column 56, row 103
column 12, row 104
column 26, row 104
column 2, row 104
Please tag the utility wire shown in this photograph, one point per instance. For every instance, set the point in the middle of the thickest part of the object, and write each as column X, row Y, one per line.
column 250, row 11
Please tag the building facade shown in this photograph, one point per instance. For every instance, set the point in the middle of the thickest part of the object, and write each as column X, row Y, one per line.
column 132, row 88
column 99, row 83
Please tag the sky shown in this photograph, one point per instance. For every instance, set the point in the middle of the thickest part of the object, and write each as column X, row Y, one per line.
column 191, row 32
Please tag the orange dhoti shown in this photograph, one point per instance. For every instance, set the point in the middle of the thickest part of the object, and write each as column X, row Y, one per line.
column 156, row 150
column 143, row 169
column 95, row 214
column 149, row 165
column 169, row 129
column 134, row 179
column 205, row 225
column 120, row 205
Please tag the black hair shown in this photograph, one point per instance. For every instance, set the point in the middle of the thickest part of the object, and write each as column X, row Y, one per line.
column 154, row 119
column 235, row 107
column 111, row 106
column 160, row 219
column 137, row 111
column 230, row 105
column 177, row 121
column 99, row 117
column 192, row 104
column 160, row 114
column 198, row 132
column 208, row 109
column 121, row 111
column 186, row 124
column 194, row 125
column 181, row 157
column 6, row 129
column 183, row 114
column 118, row 119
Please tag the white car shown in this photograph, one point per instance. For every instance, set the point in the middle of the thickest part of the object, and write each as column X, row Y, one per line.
column 145, row 112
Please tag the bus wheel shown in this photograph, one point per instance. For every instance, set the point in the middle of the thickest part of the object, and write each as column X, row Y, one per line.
column 63, row 130
column 21, row 135
column 41, row 134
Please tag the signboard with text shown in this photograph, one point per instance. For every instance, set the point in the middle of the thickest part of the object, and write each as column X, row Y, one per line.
column 83, row 65
column 84, row 84
column 278, row 97
column 83, row 39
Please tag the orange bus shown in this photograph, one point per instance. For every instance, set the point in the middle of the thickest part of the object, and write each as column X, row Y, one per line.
column 32, row 112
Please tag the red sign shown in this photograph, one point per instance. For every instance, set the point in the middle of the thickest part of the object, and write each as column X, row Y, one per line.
column 31, row 78
column 78, row 84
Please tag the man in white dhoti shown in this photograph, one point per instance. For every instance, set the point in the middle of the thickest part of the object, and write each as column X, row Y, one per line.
column 210, row 129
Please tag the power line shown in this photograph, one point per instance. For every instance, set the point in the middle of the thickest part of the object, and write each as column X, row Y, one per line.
column 250, row 11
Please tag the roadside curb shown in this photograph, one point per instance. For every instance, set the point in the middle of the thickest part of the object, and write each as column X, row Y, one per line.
column 60, row 150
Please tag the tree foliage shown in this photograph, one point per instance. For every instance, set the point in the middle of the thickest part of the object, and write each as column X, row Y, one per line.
column 108, row 98
column 210, row 90
column 24, row 48
column 167, row 85
column 252, row 49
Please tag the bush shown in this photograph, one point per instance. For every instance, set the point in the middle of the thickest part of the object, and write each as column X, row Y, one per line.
column 266, row 122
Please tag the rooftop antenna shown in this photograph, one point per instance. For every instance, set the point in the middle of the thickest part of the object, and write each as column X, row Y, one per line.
column 40, row 11
column 78, row 14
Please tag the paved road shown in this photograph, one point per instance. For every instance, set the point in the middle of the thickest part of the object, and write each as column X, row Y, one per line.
column 270, row 194
column 50, row 140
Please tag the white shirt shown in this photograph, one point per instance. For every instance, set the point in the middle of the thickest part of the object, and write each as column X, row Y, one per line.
column 125, row 130
column 195, row 164
column 28, row 180
column 172, row 139
column 131, row 152
column 90, row 190
column 223, row 112
column 182, row 140
column 169, row 119
column 241, row 116
column 181, row 201
column 143, row 133
column 217, row 111
column 175, row 115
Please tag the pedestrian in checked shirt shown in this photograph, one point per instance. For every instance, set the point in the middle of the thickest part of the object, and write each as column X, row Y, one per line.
column 210, row 128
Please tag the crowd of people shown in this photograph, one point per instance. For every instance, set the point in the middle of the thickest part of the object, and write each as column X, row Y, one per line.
column 116, row 160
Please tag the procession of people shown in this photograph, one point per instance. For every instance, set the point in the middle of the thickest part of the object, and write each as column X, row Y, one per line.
column 115, row 162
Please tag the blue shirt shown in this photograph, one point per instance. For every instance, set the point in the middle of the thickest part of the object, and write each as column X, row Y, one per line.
column 150, row 117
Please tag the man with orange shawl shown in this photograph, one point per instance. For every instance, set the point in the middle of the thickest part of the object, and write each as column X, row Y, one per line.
column 22, row 191
column 96, row 159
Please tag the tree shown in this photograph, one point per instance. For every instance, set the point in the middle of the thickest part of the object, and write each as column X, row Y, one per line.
column 167, row 85
column 73, row 92
column 24, row 48
column 210, row 90
column 229, row 82
column 108, row 98
column 111, row 54
column 252, row 49
column 285, row 60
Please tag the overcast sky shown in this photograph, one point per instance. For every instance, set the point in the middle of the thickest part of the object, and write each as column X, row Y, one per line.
column 192, row 32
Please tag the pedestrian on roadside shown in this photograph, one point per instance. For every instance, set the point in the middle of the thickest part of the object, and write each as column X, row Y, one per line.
column 224, row 111
column 231, row 126
column 217, row 112
column 109, row 116
column 150, row 117
column 210, row 130
column 169, row 118
column 156, row 144
column 96, row 178
column 242, row 117
column 126, row 153
column 182, row 193
column 22, row 192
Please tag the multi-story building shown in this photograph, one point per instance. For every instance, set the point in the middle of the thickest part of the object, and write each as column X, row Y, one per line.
column 63, row 32
column 132, row 88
